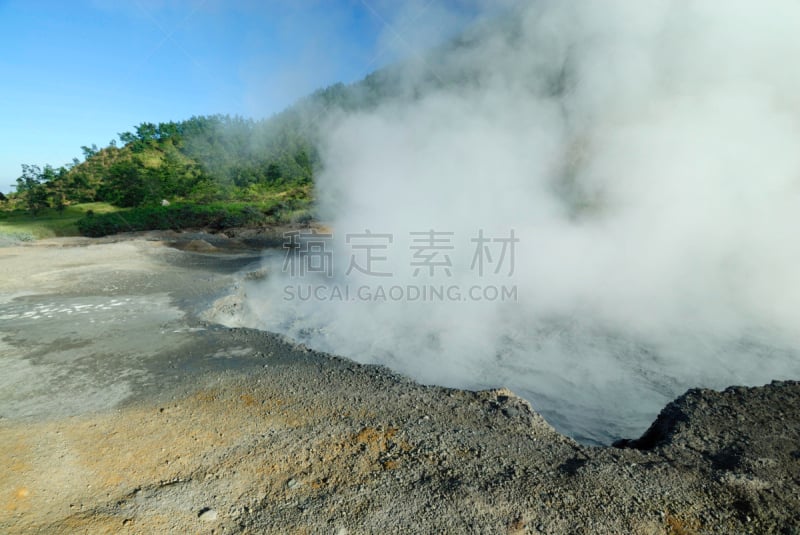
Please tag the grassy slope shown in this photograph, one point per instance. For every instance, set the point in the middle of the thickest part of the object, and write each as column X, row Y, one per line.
column 48, row 223
column 257, row 207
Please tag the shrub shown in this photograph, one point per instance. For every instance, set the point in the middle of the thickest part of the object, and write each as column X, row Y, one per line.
column 217, row 216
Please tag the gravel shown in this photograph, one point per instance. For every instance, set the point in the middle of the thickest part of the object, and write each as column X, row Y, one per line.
column 243, row 431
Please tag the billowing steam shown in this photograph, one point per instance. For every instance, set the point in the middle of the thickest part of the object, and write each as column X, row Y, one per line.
column 647, row 157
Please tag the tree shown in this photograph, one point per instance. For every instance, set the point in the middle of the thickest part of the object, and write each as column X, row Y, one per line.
column 31, row 189
column 57, row 186
column 125, row 185
column 146, row 131
column 88, row 152
column 273, row 174
column 126, row 138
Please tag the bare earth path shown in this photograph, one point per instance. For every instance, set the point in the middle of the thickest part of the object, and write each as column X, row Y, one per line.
column 123, row 409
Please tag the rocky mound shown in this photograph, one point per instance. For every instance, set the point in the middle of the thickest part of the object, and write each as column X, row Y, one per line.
column 317, row 444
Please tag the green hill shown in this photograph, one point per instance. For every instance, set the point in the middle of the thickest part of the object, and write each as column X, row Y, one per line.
column 269, row 163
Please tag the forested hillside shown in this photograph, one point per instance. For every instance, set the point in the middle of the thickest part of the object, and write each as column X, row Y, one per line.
column 202, row 159
column 224, row 159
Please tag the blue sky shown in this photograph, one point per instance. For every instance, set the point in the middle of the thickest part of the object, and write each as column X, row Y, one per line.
column 78, row 72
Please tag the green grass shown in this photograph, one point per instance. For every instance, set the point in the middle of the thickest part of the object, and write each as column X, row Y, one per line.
column 49, row 223
column 102, row 219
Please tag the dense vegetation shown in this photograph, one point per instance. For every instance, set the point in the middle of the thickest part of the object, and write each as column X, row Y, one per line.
column 214, row 216
column 216, row 163
column 201, row 159
column 219, row 159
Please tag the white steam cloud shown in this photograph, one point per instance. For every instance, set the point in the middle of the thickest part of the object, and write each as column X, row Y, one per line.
column 647, row 155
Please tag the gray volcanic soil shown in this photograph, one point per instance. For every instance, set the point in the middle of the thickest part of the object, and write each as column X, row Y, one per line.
column 125, row 409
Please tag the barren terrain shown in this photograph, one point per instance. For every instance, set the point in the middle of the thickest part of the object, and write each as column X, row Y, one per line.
column 125, row 408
